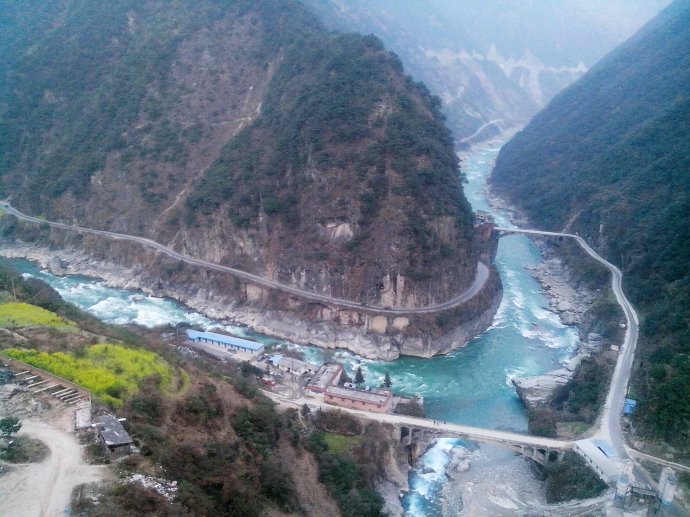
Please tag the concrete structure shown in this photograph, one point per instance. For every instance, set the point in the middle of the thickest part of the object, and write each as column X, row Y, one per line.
column 113, row 436
column 412, row 428
column 47, row 383
column 622, row 488
column 378, row 401
column 327, row 375
column 666, row 473
column 541, row 450
column 292, row 365
column 225, row 341
column 597, row 454
column 669, row 491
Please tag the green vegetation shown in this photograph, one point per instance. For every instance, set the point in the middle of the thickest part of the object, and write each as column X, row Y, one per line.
column 207, row 427
column 9, row 425
column 571, row 479
column 324, row 95
column 111, row 372
column 19, row 314
column 359, row 376
column 40, row 294
column 345, row 480
column 387, row 382
column 95, row 93
column 25, row 450
column 339, row 444
column 610, row 155
column 226, row 455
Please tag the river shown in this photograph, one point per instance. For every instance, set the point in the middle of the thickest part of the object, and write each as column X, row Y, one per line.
column 471, row 386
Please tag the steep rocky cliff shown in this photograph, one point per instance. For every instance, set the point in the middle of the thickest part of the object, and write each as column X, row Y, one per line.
column 244, row 134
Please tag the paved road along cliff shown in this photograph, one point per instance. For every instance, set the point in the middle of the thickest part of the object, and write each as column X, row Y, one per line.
column 480, row 279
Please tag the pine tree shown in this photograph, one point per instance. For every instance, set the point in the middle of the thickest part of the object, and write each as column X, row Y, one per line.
column 359, row 377
column 387, row 381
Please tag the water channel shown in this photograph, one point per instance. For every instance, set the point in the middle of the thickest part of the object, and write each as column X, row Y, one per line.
column 471, row 386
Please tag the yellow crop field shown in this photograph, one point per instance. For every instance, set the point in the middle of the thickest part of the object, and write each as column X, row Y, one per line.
column 111, row 372
column 17, row 315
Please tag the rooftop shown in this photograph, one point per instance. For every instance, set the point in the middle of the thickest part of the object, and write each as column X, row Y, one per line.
column 224, row 339
column 364, row 396
column 593, row 450
column 292, row 363
column 325, row 376
column 110, row 428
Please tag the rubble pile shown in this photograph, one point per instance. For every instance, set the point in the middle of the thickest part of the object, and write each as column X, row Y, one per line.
column 167, row 489
column 13, row 400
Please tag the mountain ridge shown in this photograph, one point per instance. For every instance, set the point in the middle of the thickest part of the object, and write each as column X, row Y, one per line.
column 244, row 134
column 609, row 157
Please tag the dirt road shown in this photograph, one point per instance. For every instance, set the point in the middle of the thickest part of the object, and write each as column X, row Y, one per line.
column 44, row 489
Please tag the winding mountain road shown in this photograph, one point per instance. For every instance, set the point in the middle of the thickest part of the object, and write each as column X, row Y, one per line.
column 609, row 427
column 480, row 278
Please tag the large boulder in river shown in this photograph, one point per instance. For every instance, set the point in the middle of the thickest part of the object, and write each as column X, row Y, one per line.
column 537, row 392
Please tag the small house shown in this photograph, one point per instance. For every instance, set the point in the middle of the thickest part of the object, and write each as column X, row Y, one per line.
column 113, row 436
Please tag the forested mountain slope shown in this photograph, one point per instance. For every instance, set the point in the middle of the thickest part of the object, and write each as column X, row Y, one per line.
column 609, row 158
column 240, row 132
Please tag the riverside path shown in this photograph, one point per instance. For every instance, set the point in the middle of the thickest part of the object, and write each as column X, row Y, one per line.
column 480, row 278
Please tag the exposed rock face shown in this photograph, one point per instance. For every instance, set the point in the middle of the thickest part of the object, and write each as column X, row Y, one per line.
column 570, row 303
column 371, row 336
column 537, row 392
column 458, row 463
column 253, row 138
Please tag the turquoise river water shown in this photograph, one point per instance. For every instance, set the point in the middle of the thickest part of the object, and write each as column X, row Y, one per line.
column 471, row 386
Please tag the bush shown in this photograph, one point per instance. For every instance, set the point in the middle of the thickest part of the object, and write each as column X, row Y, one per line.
column 571, row 479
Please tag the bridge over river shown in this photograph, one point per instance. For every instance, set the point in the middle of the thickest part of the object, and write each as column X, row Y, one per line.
column 607, row 436
column 414, row 429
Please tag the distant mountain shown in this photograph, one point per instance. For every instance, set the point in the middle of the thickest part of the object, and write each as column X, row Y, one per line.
column 493, row 62
column 610, row 159
column 240, row 132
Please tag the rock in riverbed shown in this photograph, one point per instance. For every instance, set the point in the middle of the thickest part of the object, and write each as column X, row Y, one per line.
column 537, row 392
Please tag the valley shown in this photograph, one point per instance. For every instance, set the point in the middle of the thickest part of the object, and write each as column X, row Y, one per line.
column 460, row 254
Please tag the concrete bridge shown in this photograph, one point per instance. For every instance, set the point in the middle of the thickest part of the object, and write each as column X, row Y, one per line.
column 541, row 450
column 414, row 430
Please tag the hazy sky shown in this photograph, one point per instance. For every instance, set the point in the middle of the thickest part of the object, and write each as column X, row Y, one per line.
column 559, row 32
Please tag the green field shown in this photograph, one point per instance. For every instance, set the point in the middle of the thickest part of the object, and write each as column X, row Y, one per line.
column 17, row 315
column 341, row 444
column 111, row 372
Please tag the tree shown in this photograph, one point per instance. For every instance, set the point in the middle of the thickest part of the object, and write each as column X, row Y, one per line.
column 305, row 411
column 9, row 426
column 387, row 383
column 359, row 377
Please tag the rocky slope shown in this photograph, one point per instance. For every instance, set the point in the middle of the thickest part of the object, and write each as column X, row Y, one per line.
column 245, row 134
column 608, row 159
column 494, row 64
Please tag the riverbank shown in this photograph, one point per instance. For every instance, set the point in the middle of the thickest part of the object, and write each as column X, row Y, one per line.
column 302, row 317
column 470, row 386
column 567, row 300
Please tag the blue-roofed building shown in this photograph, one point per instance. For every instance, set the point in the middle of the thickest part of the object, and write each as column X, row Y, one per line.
column 225, row 341
column 629, row 406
